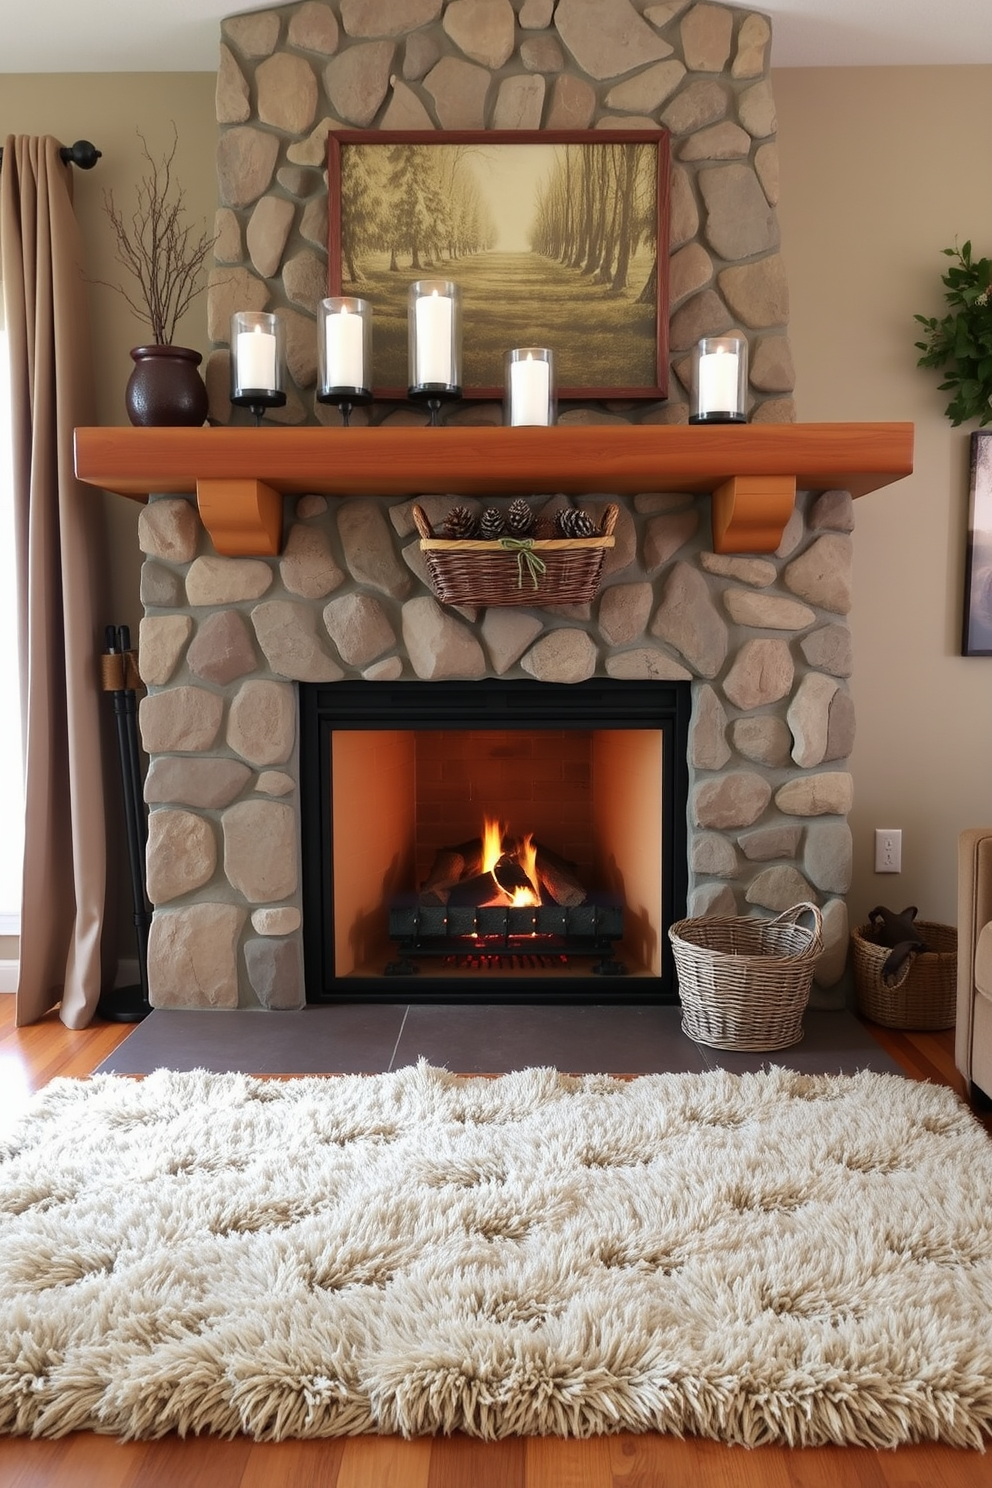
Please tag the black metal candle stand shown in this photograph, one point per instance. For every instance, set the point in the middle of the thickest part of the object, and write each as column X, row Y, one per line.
column 259, row 400
column 346, row 398
column 434, row 394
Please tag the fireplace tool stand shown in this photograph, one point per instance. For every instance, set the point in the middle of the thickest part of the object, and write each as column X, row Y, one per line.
column 119, row 674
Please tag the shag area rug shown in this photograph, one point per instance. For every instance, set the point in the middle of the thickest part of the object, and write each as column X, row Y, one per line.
column 753, row 1258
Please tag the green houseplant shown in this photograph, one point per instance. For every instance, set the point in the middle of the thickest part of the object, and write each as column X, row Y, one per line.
column 960, row 343
column 165, row 257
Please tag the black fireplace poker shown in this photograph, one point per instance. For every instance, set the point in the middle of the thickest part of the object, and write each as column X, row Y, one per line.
column 129, row 1004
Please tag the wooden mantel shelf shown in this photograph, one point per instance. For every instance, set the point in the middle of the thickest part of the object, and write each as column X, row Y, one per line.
column 240, row 475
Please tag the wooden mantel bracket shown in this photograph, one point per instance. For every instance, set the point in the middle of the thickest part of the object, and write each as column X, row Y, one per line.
column 241, row 475
column 749, row 512
column 243, row 517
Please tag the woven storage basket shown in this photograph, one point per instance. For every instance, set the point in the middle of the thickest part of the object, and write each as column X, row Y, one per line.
column 745, row 982
column 924, row 992
column 473, row 571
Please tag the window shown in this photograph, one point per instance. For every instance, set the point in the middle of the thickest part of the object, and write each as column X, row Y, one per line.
column 11, row 765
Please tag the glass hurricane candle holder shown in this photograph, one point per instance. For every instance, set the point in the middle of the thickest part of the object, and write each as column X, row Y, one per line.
column 719, row 381
column 434, row 343
column 257, row 361
column 344, row 353
column 529, row 381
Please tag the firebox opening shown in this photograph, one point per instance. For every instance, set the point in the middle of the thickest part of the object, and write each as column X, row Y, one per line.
column 404, row 803
column 585, row 807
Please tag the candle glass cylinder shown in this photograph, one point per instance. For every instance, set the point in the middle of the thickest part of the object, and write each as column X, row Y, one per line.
column 529, row 381
column 257, row 359
column 344, row 350
column 719, row 381
column 434, row 339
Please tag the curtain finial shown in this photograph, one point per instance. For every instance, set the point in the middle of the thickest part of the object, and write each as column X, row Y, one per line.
column 82, row 153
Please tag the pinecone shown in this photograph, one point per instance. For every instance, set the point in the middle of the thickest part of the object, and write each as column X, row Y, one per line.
column 520, row 518
column 492, row 524
column 459, row 523
column 572, row 522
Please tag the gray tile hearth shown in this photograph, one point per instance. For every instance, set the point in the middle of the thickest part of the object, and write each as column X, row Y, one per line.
column 366, row 1038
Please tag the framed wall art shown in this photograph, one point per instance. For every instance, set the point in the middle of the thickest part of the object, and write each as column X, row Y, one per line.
column 555, row 238
column 977, row 635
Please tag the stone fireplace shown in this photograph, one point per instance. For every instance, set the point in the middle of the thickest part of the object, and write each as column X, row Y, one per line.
column 760, row 640
column 338, row 591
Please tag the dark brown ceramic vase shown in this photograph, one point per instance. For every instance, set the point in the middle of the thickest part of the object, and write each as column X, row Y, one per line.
column 165, row 387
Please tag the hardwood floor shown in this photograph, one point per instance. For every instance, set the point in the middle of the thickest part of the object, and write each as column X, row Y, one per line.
column 30, row 1057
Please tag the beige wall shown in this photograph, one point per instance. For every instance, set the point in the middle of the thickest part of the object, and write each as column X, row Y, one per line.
column 881, row 169
column 108, row 108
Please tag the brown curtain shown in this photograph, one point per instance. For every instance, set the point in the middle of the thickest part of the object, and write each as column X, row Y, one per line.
column 59, row 585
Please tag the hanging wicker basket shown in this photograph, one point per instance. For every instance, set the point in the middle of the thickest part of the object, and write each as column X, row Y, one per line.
column 923, row 994
column 516, row 571
column 744, row 982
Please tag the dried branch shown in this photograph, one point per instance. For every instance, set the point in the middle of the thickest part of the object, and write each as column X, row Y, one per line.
column 157, row 247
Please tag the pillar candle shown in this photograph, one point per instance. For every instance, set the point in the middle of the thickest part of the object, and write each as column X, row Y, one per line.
column 256, row 359
column 344, row 361
column 433, row 331
column 718, row 382
column 530, row 383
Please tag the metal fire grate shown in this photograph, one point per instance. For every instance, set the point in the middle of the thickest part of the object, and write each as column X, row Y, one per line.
column 446, row 930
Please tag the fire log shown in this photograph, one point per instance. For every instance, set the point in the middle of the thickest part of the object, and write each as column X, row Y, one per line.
column 559, row 879
column 473, row 891
column 509, row 875
column 448, row 867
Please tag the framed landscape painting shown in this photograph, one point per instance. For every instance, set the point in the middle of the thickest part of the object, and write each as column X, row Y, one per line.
column 555, row 238
column 977, row 640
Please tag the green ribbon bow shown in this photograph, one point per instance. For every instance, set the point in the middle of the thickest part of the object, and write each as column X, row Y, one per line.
column 524, row 549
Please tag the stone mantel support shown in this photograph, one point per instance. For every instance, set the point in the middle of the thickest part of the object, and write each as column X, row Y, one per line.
column 240, row 475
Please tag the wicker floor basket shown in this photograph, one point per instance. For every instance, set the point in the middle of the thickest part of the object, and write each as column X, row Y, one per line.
column 563, row 570
column 924, row 995
column 744, row 981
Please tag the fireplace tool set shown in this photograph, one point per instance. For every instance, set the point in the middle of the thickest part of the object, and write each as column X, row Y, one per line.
column 119, row 676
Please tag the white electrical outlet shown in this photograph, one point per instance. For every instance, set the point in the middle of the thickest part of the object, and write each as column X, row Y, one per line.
column 888, row 849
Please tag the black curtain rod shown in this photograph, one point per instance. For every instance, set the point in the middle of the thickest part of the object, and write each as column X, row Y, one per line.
column 82, row 153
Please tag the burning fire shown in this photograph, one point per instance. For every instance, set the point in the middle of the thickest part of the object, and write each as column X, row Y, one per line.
column 518, row 861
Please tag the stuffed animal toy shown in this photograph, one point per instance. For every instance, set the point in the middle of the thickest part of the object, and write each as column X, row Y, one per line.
column 899, row 932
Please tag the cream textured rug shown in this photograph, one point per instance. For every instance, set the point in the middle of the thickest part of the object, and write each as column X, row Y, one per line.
column 754, row 1258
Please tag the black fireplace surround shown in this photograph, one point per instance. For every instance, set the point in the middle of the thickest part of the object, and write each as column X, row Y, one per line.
column 499, row 704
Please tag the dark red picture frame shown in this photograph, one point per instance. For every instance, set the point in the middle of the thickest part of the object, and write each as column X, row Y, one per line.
column 590, row 340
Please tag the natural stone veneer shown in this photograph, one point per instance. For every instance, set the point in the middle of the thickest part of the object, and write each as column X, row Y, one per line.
column 764, row 641
column 769, row 791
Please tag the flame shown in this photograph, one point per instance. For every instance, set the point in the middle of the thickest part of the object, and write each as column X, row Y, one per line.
column 527, row 858
column 492, row 844
column 525, row 854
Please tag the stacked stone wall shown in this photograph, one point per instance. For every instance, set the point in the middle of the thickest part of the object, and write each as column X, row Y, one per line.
column 762, row 640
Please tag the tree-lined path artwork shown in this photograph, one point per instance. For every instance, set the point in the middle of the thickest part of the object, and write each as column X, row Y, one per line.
column 550, row 244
